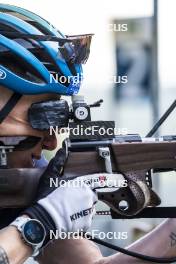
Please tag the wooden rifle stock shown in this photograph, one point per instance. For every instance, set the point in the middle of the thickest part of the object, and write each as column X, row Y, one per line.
column 134, row 160
column 126, row 157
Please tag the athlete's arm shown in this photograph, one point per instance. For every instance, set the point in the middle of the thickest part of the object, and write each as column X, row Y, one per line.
column 12, row 248
column 161, row 242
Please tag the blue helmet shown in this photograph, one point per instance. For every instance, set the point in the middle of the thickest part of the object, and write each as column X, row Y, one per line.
column 36, row 58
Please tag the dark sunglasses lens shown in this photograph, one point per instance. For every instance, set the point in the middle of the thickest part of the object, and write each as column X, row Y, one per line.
column 77, row 50
column 81, row 47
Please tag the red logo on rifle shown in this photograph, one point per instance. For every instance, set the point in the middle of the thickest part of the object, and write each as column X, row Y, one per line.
column 102, row 178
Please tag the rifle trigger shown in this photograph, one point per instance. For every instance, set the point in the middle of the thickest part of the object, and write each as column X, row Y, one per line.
column 106, row 155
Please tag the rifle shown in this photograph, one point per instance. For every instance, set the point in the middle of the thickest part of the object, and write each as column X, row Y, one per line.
column 137, row 159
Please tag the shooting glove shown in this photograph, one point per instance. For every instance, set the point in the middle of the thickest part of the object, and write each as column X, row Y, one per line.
column 66, row 208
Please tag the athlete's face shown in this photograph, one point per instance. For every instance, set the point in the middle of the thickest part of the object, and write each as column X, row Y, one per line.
column 16, row 124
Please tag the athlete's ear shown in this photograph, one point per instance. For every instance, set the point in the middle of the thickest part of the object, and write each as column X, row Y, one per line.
column 49, row 142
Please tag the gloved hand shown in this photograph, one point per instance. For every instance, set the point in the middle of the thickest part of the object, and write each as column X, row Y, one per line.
column 65, row 208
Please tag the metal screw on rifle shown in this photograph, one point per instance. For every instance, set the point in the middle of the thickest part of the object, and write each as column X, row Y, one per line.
column 123, row 205
column 106, row 155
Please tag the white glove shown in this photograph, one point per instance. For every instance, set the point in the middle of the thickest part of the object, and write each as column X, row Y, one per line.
column 71, row 208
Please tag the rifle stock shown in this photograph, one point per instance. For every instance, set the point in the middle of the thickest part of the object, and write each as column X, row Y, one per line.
column 133, row 160
column 126, row 157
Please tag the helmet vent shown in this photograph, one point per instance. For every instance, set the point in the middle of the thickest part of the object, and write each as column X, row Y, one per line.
column 50, row 64
column 19, row 66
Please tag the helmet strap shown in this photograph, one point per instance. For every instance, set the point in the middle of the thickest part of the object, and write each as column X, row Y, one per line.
column 9, row 106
